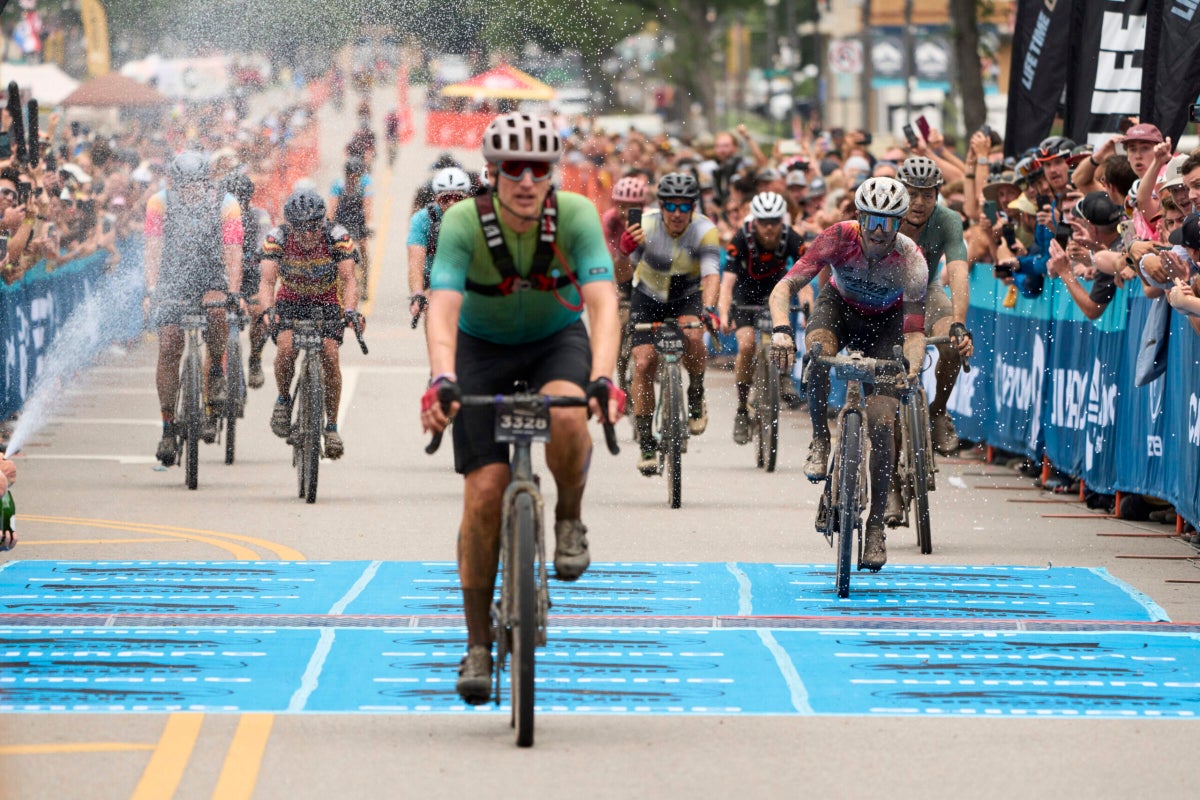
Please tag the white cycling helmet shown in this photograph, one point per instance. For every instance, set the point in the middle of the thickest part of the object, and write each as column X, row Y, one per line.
column 484, row 177
column 451, row 179
column 884, row 196
column 920, row 172
column 522, row 137
column 767, row 205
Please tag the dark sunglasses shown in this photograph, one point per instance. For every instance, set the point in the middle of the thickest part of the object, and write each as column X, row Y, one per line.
column 682, row 208
column 515, row 170
column 769, row 221
column 870, row 222
column 450, row 198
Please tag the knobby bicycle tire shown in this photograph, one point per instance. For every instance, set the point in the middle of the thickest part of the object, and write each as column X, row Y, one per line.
column 312, row 430
column 848, row 496
column 760, row 385
column 235, row 388
column 523, row 560
column 673, row 428
column 768, row 419
column 917, row 425
column 192, row 420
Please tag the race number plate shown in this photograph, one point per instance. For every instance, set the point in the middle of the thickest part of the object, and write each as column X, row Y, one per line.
column 307, row 340
column 522, row 424
column 670, row 342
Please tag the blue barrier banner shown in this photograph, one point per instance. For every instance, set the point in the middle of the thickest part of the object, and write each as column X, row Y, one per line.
column 1141, row 422
column 33, row 311
column 1181, row 439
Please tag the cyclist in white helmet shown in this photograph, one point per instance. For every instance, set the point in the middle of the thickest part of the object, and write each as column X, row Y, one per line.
column 874, row 301
column 449, row 186
column 508, row 307
column 760, row 253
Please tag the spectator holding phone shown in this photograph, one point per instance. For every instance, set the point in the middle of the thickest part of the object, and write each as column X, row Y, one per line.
column 1094, row 241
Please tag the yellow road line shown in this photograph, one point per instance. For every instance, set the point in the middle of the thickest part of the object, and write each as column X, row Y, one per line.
column 237, row 551
column 283, row 552
column 171, row 755
column 79, row 747
column 38, row 542
column 239, row 773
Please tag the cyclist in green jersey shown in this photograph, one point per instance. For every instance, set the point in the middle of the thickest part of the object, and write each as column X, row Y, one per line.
column 513, row 271
column 937, row 230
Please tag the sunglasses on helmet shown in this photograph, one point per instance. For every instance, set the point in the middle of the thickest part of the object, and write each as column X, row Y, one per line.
column 515, row 170
column 682, row 208
column 870, row 222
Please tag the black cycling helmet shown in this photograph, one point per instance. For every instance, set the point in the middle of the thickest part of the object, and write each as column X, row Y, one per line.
column 678, row 184
column 304, row 206
column 188, row 167
column 1053, row 147
column 240, row 186
column 355, row 166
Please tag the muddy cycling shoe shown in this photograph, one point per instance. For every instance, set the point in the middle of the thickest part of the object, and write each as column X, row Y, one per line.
column 874, row 554
column 894, row 513
column 281, row 419
column 945, row 438
column 255, row 378
column 475, row 676
column 216, row 390
column 648, row 463
column 571, row 558
column 208, row 430
column 697, row 413
column 816, row 468
column 168, row 447
column 741, row 426
column 334, row 447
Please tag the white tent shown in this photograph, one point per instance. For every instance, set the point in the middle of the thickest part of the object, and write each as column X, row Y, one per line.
column 45, row 82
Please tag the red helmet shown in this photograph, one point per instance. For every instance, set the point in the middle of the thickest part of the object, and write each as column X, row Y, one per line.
column 630, row 190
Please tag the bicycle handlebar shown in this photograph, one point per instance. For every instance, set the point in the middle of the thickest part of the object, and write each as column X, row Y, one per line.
column 446, row 396
column 653, row 326
column 966, row 361
column 858, row 367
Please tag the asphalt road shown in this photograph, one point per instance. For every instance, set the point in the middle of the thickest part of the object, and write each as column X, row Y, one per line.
column 90, row 491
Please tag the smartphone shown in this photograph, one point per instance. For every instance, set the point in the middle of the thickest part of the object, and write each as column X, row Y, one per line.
column 5, row 145
column 1063, row 234
column 923, row 127
column 1010, row 235
column 1044, row 200
column 106, row 224
column 866, row 137
column 1002, row 271
column 635, row 216
column 24, row 189
column 51, row 161
column 75, row 128
column 990, row 209
column 3, row 247
column 913, row 141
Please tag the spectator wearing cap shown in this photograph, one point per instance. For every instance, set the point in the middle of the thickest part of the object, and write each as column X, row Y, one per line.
column 1139, row 142
column 1184, row 291
column 1026, row 255
column 797, row 187
column 1190, row 172
column 1052, row 157
column 1093, row 253
column 857, row 169
column 769, row 179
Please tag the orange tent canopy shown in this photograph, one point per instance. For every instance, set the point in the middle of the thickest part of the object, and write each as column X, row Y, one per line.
column 502, row 82
column 115, row 91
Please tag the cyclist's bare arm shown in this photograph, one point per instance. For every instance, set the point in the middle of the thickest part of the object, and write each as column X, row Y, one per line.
column 233, row 265
column 349, row 284
column 958, row 275
column 441, row 330
column 600, row 298
column 269, row 270
column 788, row 287
column 710, row 287
column 416, row 268
column 725, row 299
column 153, row 259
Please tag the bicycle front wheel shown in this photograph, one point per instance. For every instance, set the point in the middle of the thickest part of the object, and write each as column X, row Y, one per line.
column 848, row 497
column 191, row 420
column 768, row 413
column 918, row 424
column 311, row 431
column 672, row 434
column 522, row 559
column 235, row 388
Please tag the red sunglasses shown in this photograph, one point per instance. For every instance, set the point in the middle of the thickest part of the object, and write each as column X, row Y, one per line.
column 515, row 170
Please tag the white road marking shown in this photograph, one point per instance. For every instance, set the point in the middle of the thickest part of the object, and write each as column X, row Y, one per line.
column 957, row 482
column 745, row 598
column 359, row 585
column 120, row 459
column 312, row 674
column 143, row 421
column 349, row 384
column 790, row 676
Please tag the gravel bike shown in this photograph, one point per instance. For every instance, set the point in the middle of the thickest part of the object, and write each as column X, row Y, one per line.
column 519, row 616
column 839, row 514
column 308, row 423
column 767, row 391
column 235, row 381
column 190, row 404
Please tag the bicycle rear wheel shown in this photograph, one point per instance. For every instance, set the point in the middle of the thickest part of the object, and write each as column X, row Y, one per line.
column 521, row 568
column 191, row 420
column 848, row 497
column 311, row 432
column 918, row 425
column 235, row 388
column 672, row 434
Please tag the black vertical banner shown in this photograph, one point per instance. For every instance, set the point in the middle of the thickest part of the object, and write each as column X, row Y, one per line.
column 1106, row 66
column 1040, row 68
column 1171, row 79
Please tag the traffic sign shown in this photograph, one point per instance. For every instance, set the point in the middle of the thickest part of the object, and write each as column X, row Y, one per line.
column 846, row 56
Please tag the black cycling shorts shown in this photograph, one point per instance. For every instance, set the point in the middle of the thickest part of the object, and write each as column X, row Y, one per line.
column 874, row 335
column 485, row 367
column 643, row 308
column 330, row 314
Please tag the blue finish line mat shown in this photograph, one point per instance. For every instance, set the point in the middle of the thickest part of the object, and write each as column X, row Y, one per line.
column 624, row 671
column 410, row 589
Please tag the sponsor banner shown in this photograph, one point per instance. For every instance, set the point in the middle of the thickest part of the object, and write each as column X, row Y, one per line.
column 1040, row 67
column 1106, row 66
column 1171, row 67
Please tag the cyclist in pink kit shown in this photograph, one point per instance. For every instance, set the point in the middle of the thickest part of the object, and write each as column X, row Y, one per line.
column 875, row 300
